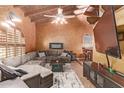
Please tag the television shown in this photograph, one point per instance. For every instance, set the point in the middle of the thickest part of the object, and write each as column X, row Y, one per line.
column 105, row 34
column 56, row 45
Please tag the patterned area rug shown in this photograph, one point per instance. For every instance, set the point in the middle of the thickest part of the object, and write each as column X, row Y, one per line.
column 66, row 79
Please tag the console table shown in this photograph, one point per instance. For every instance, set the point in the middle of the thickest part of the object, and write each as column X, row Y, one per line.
column 101, row 77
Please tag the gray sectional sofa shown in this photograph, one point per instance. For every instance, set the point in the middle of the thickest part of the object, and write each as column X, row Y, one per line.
column 49, row 55
column 37, row 76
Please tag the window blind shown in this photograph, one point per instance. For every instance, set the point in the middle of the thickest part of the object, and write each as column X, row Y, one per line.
column 10, row 51
column 12, row 43
column 2, row 36
column 18, row 51
column 11, row 36
column 23, row 50
column 2, row 51
column 18, row 37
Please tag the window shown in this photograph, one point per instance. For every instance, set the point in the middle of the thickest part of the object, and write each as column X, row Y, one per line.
column 87, row 41
column 12, row 43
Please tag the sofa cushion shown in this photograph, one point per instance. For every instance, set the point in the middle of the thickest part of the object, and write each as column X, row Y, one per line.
column 52, row 53
column 13, row 61
column 32, row 62
column 34, row 70
column 31, row 55
column 24, row 59
column 28, row 57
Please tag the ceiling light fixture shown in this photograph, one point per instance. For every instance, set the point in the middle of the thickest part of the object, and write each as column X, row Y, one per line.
column 60, row 18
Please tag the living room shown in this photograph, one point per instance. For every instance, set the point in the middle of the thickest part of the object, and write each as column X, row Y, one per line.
column 52, row 53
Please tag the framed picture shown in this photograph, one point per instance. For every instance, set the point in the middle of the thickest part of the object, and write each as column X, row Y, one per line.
column 56, row 45
column 121, row 36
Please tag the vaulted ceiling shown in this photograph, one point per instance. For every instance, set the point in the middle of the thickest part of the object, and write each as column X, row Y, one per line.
column 37, row 12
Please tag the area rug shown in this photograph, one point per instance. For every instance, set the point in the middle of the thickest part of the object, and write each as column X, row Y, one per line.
column 66, row 79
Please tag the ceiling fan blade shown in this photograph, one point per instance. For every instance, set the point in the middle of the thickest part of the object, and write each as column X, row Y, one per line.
column 82, row 6
column 49, row 15
column 60, row 11
column 79, row 11
column 69, row 16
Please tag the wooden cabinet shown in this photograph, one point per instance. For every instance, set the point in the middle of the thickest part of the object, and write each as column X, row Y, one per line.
column 86, row 69
column 99, row 79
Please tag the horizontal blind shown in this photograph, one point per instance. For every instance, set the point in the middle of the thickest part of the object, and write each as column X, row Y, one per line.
column 2, row 51
column 10, row 51
column 12, row 43
column 23, row 50
column 18, row 51
column 23, row 40
column 11, row 36
column 18, row 37
column 2, row 36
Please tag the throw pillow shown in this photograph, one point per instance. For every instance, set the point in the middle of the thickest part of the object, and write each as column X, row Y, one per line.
column 22, row 72
column 12, row 61
column 41, row 54
column 64, row 54
column 8, row 73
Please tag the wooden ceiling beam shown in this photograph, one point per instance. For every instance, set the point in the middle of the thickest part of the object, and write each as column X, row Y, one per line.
column 40, row 10
column 50, row 11
column 19, row 6
column 36, row 12
column 46, row 11
column 44, row 20
column 40, row 16
column 116, row 7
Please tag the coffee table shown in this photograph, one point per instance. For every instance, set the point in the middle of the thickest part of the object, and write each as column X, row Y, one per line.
column 57, row 66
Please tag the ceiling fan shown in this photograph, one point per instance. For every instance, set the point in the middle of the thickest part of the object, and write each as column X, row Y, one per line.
column 60, row 17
